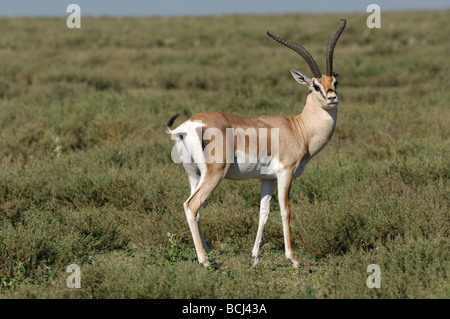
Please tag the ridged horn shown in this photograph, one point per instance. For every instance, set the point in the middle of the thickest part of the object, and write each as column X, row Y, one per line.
column 331, row 45
column 302, row 51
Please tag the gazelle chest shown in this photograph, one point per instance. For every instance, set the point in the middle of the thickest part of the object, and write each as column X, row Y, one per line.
column 321, row 131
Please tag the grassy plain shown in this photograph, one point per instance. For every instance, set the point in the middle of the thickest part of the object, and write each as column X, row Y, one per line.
column 86, row 175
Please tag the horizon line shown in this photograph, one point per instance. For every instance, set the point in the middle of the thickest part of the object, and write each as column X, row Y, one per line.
column 225, row 14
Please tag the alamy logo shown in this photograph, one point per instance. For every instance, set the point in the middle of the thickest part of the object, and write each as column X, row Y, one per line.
column 74, row 280
column 74, row 19
column 239, row 145
column 374, row 20
column 374, row 280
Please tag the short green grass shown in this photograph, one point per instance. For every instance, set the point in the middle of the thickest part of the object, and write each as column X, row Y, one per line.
column 86, row 175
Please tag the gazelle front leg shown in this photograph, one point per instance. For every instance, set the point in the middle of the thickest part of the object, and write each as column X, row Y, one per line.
column 267, row 187
column 284, row 186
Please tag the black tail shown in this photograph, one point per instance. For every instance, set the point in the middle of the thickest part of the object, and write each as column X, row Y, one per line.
column 170, row 123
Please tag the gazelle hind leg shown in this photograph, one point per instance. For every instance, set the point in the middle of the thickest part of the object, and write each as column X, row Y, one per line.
column 194, row 177
column 284, row 185
column 267, row 187
column 214, row 174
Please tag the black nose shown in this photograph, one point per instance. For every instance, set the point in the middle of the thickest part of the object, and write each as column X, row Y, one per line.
column 331, row 95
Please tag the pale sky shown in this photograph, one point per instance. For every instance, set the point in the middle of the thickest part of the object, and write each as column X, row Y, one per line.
column 11, row 8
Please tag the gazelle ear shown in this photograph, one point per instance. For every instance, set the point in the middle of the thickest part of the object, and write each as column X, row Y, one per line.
column 300, row 77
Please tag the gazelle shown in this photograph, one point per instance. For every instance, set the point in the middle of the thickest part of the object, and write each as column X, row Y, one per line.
column 299, row 139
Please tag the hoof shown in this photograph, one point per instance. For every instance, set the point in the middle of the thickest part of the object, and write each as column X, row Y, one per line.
column 294, row 262
column 210, row 265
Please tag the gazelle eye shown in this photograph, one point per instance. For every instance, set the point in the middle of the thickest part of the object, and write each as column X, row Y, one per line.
column 316, row 87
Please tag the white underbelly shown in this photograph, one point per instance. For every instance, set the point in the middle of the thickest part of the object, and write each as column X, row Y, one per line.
column 265, row 168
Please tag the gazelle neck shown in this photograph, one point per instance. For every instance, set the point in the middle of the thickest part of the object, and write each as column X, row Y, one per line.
column 317, row 124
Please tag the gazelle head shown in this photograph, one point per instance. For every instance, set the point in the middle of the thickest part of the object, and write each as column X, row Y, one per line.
column 323, row 87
